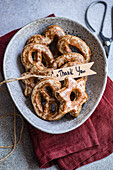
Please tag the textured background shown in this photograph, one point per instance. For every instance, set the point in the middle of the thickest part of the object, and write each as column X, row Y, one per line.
column 15, row 14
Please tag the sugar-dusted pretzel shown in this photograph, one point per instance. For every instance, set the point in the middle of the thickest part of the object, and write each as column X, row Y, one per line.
column 77, row 43
column 51, row 32
column 43, row 99
column 69, row 57
column 72, row 96
column 39, row 50
column 31, row 82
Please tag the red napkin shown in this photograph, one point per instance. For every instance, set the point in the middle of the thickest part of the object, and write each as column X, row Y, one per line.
column 90, row 142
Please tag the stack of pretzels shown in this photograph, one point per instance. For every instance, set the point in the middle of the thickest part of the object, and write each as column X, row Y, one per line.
column 51, row 98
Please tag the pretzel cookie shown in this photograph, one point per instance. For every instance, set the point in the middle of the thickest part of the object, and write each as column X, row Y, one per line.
column 77, row 43
column 69, row 57
column 51, row 32
column 31, row 82
column 43, row 99
column 39, row 50
column 72, row 96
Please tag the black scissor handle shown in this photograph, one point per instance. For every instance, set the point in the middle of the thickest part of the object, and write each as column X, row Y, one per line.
column 86, row 15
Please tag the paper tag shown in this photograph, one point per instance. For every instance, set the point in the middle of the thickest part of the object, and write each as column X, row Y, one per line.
column 78, row 70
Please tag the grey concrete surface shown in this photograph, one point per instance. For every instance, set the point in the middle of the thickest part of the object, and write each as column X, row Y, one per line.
column 15, row 14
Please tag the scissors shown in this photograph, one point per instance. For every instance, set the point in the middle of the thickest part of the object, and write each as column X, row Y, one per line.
column 105, row 40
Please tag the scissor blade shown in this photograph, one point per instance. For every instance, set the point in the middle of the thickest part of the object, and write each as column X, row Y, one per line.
column 107, row 50
column 112, row 21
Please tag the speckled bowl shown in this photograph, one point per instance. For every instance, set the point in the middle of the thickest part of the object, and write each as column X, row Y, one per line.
column 95, row 85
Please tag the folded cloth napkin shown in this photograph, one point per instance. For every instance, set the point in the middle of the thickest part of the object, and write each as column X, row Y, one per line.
column 92, row 141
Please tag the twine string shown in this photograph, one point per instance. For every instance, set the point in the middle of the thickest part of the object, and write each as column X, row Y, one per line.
column 15, row 114
column 11, row 114
column 21, row 131
column 22, row 78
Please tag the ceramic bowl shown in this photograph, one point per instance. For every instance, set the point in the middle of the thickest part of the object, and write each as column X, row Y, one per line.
column 95, row 85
